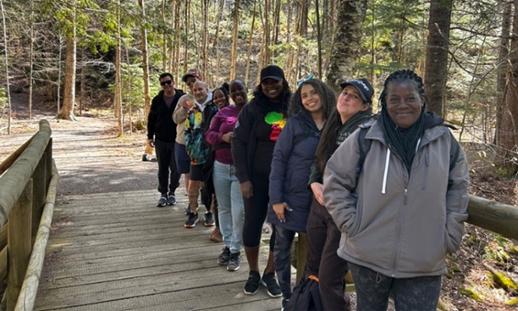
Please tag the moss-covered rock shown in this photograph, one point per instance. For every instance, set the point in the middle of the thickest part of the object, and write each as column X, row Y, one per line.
column 471, row 293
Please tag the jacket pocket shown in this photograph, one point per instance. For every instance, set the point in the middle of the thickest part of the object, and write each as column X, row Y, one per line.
column 355, row 228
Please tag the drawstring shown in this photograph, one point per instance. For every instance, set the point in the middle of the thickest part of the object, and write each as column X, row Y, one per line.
column 387, row 160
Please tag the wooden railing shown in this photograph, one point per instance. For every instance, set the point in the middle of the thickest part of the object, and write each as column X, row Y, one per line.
column 28, row 179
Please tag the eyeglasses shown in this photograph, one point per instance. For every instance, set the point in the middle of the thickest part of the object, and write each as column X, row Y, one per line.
column 168, row 82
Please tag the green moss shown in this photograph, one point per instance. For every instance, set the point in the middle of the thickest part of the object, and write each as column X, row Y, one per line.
column 512, row 302
column 502, row 280
column 471, row 293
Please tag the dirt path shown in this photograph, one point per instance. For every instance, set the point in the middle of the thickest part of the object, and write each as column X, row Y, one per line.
column 89, row 156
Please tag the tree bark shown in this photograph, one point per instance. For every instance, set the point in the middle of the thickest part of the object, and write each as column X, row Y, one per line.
column 145, row 58
column 233, row 55
column 31, row 57
column 69, row 96
column 319, row 44
column 118, row 80
column 216, row 36
column 346, row 46
column 205, row 39
column 6, row 63
column 503, row 53
column 250, row 37
column 436, row 68
column 509, row 134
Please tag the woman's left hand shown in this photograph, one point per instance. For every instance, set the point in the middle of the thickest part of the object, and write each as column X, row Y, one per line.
column 279, row 210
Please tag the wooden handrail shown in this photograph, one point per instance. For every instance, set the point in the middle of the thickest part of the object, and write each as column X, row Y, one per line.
column 24, row 184
column 494, row 216
column 13, row 182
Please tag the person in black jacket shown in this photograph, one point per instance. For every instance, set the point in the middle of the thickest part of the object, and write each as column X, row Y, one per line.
column 257, row 129
column 161, row 133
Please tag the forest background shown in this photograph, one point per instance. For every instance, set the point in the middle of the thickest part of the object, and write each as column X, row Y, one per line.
column 77, row 57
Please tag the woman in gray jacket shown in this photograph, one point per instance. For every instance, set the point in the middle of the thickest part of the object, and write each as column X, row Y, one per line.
column 401, row 204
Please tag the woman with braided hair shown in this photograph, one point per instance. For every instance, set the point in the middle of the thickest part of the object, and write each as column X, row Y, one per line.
column 401, row 206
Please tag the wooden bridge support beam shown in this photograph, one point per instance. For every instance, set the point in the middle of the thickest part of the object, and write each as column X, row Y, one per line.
column 19, row 238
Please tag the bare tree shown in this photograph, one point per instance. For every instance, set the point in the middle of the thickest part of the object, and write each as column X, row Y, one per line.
column 6, row 63
column 69, row 96
column 117, row 102
column 503, row 67
column 145, row 58
column 235, row 25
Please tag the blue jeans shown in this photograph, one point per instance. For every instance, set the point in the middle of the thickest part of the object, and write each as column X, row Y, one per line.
column 230, row 205
column 282, row 257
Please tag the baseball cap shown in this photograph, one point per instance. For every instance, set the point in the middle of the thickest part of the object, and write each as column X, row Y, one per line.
column 191, row 73
column 362, row 86
column 272, row 72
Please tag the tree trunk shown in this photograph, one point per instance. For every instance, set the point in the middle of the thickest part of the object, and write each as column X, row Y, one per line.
column 233, row 55
column 250, row 37
column 503, row 53
column 186, row 42
column 118, row 80
column 69, row 96
column 436, row 69
column 145, row 58
column 82, row 83
column 319, row 44
column 176, row 45
column 346, row 46
column 266, row 35
column 58, row 91
column 164, row 39
column 205, row 39
column 509, row 136
column 6, row 63
column 216, row 36
column 31, row 57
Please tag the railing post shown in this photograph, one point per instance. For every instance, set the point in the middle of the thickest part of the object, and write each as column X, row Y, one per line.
column 39, row 192
column 48, row 165
column 19, row 238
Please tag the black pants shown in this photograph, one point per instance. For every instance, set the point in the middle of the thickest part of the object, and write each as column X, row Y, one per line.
column 323, row 241
column 256, row 208
column 373, row 290
column 168, row 177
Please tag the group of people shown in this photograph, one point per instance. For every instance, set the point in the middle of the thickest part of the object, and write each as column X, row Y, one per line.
column 384, row 196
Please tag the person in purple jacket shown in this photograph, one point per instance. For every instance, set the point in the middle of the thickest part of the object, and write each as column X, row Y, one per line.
column 226, row 184
column 294, row 152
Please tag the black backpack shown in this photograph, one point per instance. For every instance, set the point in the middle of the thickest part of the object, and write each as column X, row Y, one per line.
column 306, row 296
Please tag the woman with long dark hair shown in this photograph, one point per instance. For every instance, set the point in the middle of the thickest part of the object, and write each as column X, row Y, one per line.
column 353, row 108
column 258, row 128
column 294, row 152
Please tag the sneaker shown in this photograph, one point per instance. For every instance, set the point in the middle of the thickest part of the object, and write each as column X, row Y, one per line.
column 284, row 304
column 233, row 262
column 209, row 220
column 252, row 284
column 192, row 220
column 171, row 199
column 224, row 257
column 162, row 202
column 272, row 286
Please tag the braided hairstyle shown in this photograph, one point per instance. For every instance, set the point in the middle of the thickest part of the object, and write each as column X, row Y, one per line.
column 400, row 76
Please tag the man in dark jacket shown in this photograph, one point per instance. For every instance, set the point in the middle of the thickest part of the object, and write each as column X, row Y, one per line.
column 161, row 133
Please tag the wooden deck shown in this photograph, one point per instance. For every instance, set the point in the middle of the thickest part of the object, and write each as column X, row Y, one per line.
column 116, row 251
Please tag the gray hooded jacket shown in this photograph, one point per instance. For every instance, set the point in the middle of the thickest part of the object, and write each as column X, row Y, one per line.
column 398, row 225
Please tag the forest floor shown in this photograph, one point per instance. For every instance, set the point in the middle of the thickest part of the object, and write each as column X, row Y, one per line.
column 468, row 284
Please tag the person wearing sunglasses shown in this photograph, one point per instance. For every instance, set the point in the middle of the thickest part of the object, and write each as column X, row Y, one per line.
column 161, row 134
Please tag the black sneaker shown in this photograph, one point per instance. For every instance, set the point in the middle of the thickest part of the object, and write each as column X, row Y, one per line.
column 192, row 220
column 171, row 199
column 272, row 286
column 209, row 220
column 284, row 304
column 224, row 257
column 252, row 284
column 162, row 202
column 233, row 262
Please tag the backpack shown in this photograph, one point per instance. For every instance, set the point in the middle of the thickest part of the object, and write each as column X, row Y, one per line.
column 306, row 295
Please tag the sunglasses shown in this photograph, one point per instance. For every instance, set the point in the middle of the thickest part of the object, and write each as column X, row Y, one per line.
column 168, row 82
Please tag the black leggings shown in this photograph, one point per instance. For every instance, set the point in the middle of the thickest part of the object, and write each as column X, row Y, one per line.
column 256, row 208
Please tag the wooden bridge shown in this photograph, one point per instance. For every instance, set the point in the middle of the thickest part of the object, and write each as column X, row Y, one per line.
column 115, row 251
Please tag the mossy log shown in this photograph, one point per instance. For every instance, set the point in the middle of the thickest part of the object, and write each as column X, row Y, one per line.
column 500, row 279
column 471, row 293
